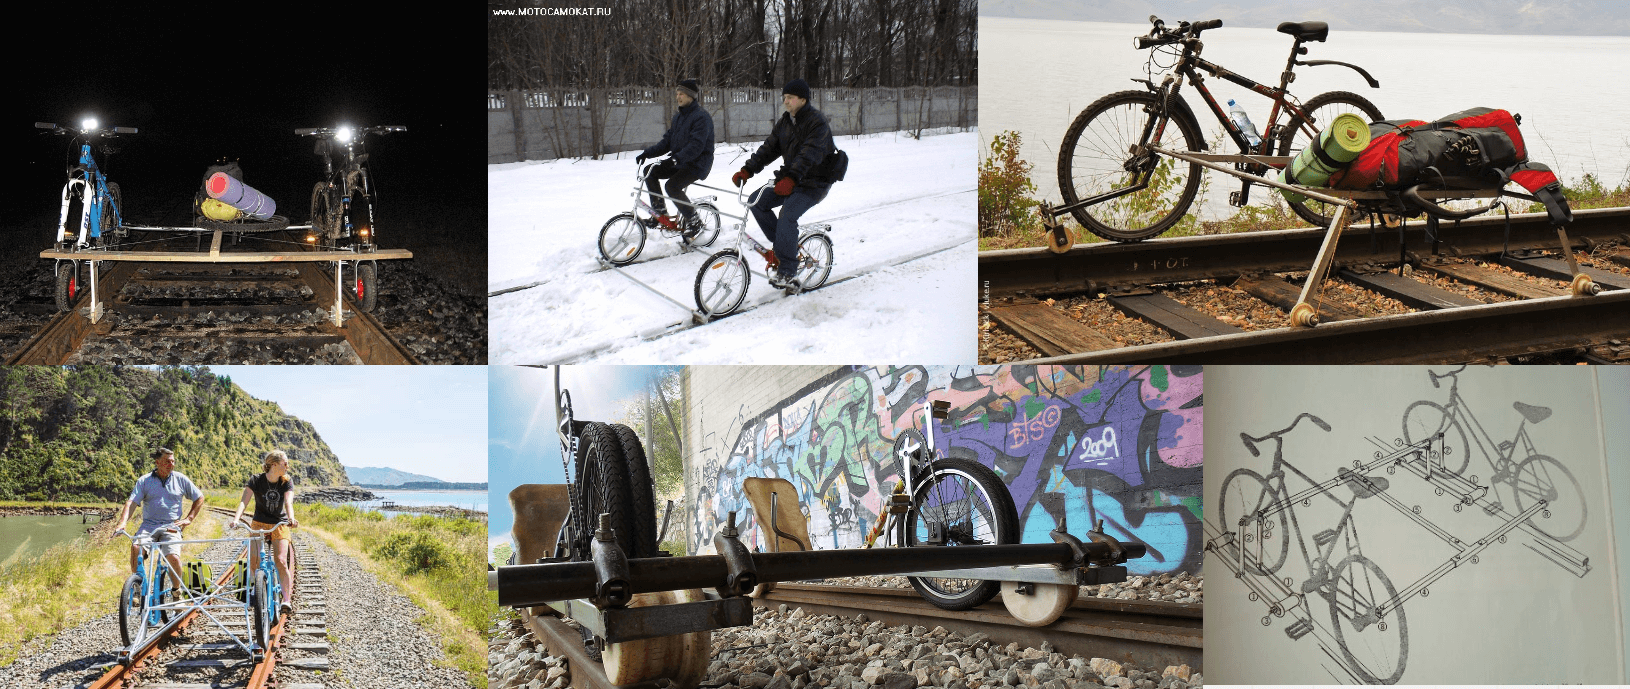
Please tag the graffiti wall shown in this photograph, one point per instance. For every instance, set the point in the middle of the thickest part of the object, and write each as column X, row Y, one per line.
column 1083, row 443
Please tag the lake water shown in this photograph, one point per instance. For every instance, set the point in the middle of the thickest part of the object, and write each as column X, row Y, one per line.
column 1037, row 75
column 467, row 499
column 24, row 537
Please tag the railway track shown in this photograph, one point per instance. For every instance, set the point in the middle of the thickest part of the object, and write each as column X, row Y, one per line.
column 1149, row 633
column 197, row 654
column 1441, row 313
column 260, row 311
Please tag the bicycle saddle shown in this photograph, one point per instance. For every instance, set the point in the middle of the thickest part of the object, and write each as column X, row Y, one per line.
column 1306, row 31
column 1532, row 413
column 1363, row 486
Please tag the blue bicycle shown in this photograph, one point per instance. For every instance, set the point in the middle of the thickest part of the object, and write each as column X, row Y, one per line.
column 89, row 198
column 148, row 601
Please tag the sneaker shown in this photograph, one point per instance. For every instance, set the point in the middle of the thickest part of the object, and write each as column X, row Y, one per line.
column 693, row 227
column 667, row 222
column 785, row 282
column 286, row 609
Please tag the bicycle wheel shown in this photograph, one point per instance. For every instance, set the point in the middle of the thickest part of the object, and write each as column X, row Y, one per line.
column 622, row 239
column 1425, row 419
column 111, row 229
column 1542, row 478
column 1322, row 108
column 721, row 283
column 364, row 288
column 67, row 285
column 132, row 611
column 602, row 485
column 1245, row 493
column 973, row 506
column 260, row 608
column 325, row 212
column 710, row 225
column 1376, row 645
column 814, row 261
column 1095, row 159
column 642, row 492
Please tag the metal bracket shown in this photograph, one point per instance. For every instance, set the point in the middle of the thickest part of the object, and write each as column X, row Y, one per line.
column 1117, row 551
column 610, row 568
column 741, row 576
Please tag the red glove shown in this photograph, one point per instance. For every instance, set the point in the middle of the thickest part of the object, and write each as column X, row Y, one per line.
column 740, row 177
column 783, row 186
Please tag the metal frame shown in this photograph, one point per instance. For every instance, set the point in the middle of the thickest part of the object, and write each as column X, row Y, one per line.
column 218, row 596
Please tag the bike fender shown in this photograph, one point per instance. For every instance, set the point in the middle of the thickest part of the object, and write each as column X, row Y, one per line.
column 1315, row 63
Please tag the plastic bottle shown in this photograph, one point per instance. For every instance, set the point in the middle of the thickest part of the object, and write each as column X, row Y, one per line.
column 1239, row 118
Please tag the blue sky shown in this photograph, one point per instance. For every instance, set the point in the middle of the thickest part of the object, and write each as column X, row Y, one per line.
column 522, row 444
column 424, row 419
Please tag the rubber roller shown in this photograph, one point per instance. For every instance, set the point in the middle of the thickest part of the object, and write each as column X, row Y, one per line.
column 1339, row 144
column 228, row 190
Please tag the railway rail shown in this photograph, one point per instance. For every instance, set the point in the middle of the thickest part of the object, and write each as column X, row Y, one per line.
column 1447, row 326
column 255, row 306
column 149, row 668
column 1148, row 633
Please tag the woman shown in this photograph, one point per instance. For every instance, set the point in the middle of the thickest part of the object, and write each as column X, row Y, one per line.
column 273, row 494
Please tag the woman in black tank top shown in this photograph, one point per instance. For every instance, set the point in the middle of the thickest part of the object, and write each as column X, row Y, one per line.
column 272, row 494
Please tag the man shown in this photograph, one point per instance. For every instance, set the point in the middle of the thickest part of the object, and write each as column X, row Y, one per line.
column 803, row 140
column 160, row 494
column 690, row 139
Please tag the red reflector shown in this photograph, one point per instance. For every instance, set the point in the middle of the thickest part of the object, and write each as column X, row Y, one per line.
column 217, row 183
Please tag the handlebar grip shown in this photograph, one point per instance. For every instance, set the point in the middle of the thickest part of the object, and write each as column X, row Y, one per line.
column 1319, row 422
column 305, row 131
column 1249, row 445
column 1206, row 25
column 44, row 125
column 1142, row 42
column 124, row 130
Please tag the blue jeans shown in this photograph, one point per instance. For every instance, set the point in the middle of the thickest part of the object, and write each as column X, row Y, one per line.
column 783, row 231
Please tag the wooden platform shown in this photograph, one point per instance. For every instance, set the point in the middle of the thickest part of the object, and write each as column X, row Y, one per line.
column 227, row 257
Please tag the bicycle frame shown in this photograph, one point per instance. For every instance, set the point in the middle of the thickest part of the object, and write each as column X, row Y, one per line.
column 95, row 202
column 220, row 596
column 1459, row 410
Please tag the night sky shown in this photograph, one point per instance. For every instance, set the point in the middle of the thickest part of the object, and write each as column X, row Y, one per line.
column 207, row 82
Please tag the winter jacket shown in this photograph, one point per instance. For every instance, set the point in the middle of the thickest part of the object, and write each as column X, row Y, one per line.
column 690, row 138
column 805, row 141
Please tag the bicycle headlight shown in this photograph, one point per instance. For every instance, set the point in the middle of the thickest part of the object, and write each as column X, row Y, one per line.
column 88, row 124
column 344, row 134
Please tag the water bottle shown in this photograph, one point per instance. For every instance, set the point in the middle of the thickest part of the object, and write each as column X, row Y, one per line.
column 1237, row 115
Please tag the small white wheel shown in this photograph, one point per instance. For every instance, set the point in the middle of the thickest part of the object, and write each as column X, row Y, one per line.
column 683, row 659
column 1045, row 604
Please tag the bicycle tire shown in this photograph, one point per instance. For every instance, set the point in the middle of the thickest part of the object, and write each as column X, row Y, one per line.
column 1292, row 140
column 814, row 261
column 602, row 483
column 112, row 230
column 1532, row 481
column 260, row 609
column 710, row 225
column 132, row 610
column 1419, row 425
column 999, row 512
column 325, row 214
column 727, row 278
column 629, row 240
column 1282, row 534
column 1387, row 671
column 67, row 291
column 1094, row 157
column 642, row 491
column 364, row 288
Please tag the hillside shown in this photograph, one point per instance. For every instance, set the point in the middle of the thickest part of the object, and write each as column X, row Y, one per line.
column 385, row 476
column 87, row 432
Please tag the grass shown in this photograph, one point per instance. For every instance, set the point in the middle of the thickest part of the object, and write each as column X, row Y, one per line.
column 437, row 562
column 71, row 583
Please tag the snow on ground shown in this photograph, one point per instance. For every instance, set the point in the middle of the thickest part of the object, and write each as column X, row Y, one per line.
column 903, row 229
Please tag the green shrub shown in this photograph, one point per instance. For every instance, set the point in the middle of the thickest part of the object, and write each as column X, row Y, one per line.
column 416, row 551
column 1005, row 206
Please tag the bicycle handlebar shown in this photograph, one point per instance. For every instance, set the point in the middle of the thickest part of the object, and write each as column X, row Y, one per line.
column 1250, row 442
column 1160, row 35
column 110, row 131
column 167, row 527
column 1435, row 377
column 330, row 131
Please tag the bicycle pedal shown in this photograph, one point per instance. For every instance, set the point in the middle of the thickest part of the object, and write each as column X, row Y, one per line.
column 1233, row 199
column 1299, row 629
column 1323, row 538
column 1505, row 446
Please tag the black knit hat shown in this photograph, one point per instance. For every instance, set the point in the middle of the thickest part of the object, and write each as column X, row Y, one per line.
column 691, row 87
column 798, row 88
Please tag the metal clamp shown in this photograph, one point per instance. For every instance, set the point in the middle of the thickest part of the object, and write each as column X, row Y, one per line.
column 1116, row 550
column 741, row 575
column 611, row 589
column 1060, row 535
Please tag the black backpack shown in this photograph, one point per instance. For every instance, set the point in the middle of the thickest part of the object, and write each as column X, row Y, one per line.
column 835, row 165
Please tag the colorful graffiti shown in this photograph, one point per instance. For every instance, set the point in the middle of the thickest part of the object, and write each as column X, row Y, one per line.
column 1084, row 443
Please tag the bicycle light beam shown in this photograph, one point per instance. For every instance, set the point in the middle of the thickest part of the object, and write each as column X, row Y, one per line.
column 228, row 190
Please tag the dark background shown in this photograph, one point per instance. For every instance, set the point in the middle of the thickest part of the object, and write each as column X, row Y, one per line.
column 236, row 80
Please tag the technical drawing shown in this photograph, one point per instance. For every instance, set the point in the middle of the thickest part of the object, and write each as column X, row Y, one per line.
column 1535, row 501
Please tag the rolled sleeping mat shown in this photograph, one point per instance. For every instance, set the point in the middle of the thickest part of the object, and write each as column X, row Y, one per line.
column 1338, row 144
column 228, row 190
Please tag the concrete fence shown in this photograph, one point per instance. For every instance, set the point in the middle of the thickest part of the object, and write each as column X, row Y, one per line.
column 562, row 123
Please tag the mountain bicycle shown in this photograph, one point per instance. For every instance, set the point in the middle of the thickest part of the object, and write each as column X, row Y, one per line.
column 89, row 198
column 721, row 282
column 342, row 204
column 1119, row 189
column 1365, row 608
column 1534, row 479
column 622, row 238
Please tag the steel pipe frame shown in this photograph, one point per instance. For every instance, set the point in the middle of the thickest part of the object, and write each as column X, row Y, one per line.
column 532, row 585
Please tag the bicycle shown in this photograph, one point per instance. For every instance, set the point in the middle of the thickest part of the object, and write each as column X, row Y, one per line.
column 1365, row 608
column 622, row 238
column 1119, row 189
column 99, row 205
column 148, row 600
column 721, row 282
column 265, row 591
column 342, row 204
column 1534, row 479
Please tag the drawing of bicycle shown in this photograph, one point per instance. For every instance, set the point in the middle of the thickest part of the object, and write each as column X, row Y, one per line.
column 1536, row 478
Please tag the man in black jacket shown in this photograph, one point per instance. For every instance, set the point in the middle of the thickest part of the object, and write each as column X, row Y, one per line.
column 690, row 139
column 803, row 140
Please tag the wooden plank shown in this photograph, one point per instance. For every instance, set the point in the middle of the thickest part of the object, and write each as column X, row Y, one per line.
column 1049, row 331
column 1620, row 256
column 1410, row 292
column 215, row 245
column 1492, row 279
column 1275, row 290
column 1177, row 319
column 1557, row 269
column 230, row 257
